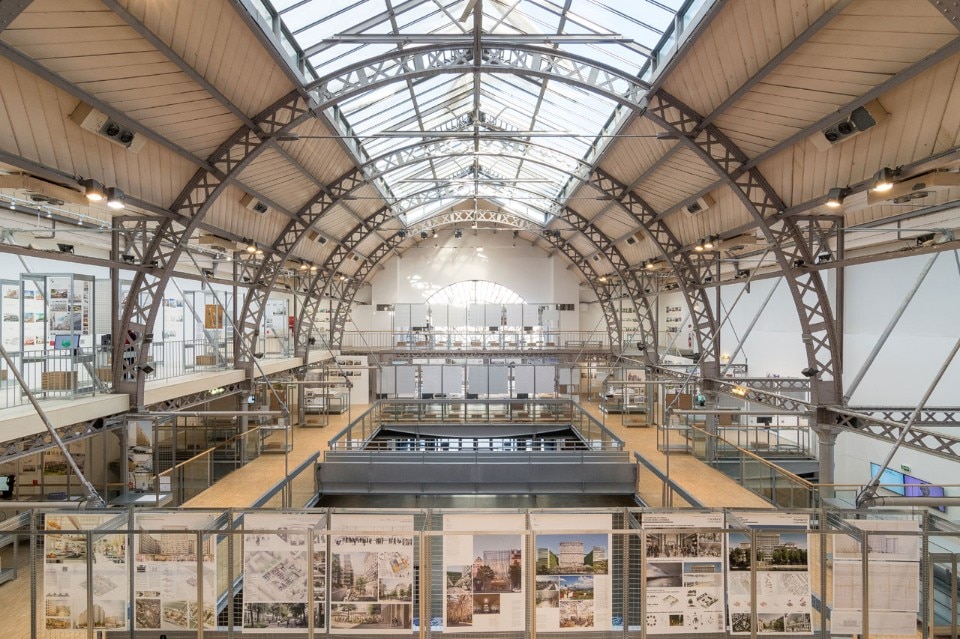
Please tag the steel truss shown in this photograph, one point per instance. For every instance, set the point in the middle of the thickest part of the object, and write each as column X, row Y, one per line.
column 196, row 399
column 924, row 440
column 788, row 243
column 30, row 444
column 927, row 417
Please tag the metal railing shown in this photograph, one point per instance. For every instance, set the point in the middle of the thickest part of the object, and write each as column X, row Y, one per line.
column 476, row 340
column 359, row 434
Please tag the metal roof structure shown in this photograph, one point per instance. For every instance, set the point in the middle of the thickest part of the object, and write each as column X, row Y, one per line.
column 653, row 143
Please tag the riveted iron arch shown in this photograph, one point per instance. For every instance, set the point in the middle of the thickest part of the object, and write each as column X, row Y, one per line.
column 688, row 270
column 169, row 242
column 787, row 242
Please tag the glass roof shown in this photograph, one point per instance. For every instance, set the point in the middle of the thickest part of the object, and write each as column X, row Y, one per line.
column 511, row 139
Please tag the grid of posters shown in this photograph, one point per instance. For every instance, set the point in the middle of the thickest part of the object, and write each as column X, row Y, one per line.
column 893, row 564
column 782, row 569
column 65, row 575
column 276, row 587
column 167, row 582
column 371, row 574
column 573, row 584
column 483, row 573
column 684, row 572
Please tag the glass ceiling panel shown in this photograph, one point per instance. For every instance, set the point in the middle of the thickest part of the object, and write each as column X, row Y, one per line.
column 509, row 138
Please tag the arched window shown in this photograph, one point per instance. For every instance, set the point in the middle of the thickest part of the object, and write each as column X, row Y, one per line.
column 475, row 292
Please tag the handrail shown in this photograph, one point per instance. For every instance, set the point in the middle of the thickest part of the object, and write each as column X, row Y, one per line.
column 659, row 474
column 283, row 483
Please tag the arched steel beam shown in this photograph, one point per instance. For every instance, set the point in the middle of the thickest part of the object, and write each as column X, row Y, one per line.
column 787, row 242
column 146, row 289
column 230, row 159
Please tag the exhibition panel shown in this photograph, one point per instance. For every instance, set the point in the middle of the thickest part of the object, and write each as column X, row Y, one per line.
column 425, row 572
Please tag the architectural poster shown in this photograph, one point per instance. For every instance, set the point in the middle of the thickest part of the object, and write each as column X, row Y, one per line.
column 483, row 573
column 276, row 586
column 65, row 575
column 167, row 585
column 10, row 315
column 893, row 563
column 783, row 576
column 684, row 572
column 573, row 582
column 371, row 574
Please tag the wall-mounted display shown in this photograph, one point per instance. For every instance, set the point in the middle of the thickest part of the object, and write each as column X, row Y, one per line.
column 371, row 574
column 278, row 573
column 166, row 583
column 684, row 579
column 782, row 569
column 573, row 584
column 483, row 573
column 65, row 583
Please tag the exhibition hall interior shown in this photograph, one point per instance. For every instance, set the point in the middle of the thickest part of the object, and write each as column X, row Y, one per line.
column 500, row 318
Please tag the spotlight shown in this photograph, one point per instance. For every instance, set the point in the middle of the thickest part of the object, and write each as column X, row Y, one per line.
column 251, row 247
column 129, row 259
column 810, row 371
column 423, row 235
column 603, row 279
column 699, row 246
column 93, row 190
column 824, row 256
column 925, row 239
column 799, row 263
column 147, row 369
column 303, row 266
column 434, row 232
column 883, row 180
column 402, row 234
column 115, row 198
column 650, row 265
column 739, row 391
column 313, row 268
column 709, row 244
column 258, row 251
column 343, row 278
column 742, row 274
column 258, row 355
column 457, row 233
column 65, row 248
column 311, row 341
column 835, row 197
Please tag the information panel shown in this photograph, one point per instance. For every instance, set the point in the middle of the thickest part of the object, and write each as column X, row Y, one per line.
column 684, row 572
column 166, row 584
column 371, row 574
column 483, row 573
column 276, row 577
column 65, row 582
column 573, row 572
column 893, row 564
column 783, row 576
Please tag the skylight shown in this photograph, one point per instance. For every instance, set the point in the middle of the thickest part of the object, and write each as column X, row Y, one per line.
column 515, row 140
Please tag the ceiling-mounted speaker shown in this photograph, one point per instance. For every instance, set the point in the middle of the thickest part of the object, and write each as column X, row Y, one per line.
column 89, row 119
column 861, row 119
column 636, row 238
column 700, row 205
column 253, row 204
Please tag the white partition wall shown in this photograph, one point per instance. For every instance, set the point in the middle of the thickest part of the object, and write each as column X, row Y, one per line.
column 545, row 379
column 523, row 380
column 431, row 379
column 477, row 380
column 453, row 380
column 406, row 381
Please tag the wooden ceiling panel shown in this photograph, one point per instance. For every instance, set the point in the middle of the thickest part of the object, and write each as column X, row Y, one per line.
column 212, row 37
column 742, row 37
column 325, row 159
column 227, row 213
column 924, row 120
column 630, row 156
column 273, row 176
column 679, row 177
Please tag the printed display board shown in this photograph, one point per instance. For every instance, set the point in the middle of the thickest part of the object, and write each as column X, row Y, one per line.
column 783, row 575
column 65, row 575
column 371, row 574
column 893, row 564
column 684, row 579
column 573, row 583
column 167, row 583
column 483, row 573
column 277, row 572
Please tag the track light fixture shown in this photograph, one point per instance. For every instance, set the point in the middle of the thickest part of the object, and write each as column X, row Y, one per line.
column 884, row 179
column 251, row 246
column 303, row 266
column 603, row 279
column 65, row 248
column 402, row 234
column 423, row 235
column 129, row 259
column 115, row 198
column 699, row 246
column 709, row 243
column 93, row 190
column 835, row 197
column 457, row 233
column 742, row 274
column 313, row 268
